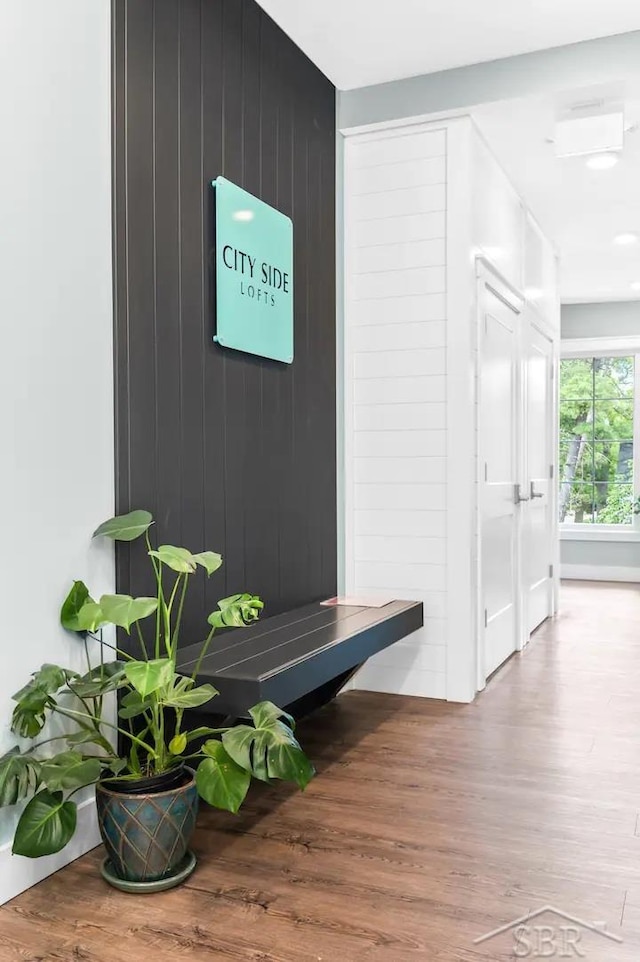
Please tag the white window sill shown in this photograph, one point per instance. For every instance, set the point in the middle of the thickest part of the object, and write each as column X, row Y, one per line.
column 594, row 533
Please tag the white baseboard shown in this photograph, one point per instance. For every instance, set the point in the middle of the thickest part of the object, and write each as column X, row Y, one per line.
column 599, row 573
column 18, row 874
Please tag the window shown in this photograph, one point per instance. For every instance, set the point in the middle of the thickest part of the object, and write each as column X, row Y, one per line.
column 596, row 465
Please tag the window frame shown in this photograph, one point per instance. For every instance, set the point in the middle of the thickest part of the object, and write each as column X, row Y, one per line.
column 607, row 347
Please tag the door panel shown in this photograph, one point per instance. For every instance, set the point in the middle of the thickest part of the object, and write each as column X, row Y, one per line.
column 498, row 446
column 537, row 540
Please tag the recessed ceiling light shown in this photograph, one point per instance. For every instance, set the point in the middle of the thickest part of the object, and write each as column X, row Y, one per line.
column 635, row 286
column 626, row 238
column 603, row 161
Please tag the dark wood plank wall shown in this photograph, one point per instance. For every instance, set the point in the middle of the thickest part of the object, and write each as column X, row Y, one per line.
column 231, row 453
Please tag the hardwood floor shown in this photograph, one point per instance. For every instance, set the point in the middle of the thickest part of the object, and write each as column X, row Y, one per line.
column 429, row 825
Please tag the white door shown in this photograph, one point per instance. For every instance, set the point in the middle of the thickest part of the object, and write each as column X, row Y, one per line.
column 499, row 412
column 537, row 519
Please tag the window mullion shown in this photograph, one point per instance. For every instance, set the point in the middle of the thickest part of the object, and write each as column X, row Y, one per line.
column 636, row 434
column 593, row 440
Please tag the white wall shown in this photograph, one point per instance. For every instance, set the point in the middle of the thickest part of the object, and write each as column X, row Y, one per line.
column 395, row 394
column 606, row 319
column 56, row 367
column 421, row 201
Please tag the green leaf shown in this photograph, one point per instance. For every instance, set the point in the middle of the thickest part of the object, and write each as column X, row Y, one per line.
column 45, row 826
column 248, row 749
column 178, row 744
column 179, row 559
column 265, row 713
column 148, row 676
column 19, row 776
column 69, row 770
column 99, row 681
column 190, row 699
column 83, row 737
column 90, row 617
column 123, row 610
column 289, row 763
column 269, row 750
column 72, row 605
column 219, row 780
column 133, row 705
column 48, row 678
column 236, row 611
column 209, row 560
column 196, row 733
column 126, row 527
column 29, row 715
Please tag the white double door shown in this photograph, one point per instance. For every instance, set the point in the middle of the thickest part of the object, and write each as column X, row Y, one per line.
column 516, row 428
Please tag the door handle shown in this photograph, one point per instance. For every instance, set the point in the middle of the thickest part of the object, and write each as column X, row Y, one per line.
column 518, row 496
column 534, row 493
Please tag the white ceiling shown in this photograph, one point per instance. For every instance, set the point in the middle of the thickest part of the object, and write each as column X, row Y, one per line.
column 361, row 42
column 580, row 210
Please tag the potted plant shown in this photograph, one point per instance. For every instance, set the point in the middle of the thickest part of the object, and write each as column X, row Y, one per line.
column 147, row 793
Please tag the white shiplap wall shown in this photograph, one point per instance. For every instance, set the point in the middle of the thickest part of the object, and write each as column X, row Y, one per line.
column 395, row 393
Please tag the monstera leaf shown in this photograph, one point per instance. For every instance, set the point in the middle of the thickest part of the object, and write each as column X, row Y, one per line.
column 19, row 776
column 268, row 750
column 220, row 780
column 179, row 559
column 35, row 698
column 120, row 610
column 185, row 695
column 132, row 705
column 236, row 611
column 123, row 610
column 99, row 681
column 90, row 617
column 73, row 604
column 149, row 676
column 209, row 560
column 48, row 678
column 125, row 527
column 45, row 826
column 69, row 770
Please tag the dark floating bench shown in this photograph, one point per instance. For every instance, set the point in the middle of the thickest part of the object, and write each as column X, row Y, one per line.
column 299, row 659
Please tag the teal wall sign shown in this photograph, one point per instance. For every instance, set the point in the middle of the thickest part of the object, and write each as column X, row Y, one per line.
column 254, row 274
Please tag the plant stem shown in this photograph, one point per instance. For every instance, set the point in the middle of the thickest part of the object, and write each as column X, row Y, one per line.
column 203, row 652
column 70, row 713
column 176, row 627
column 157, row 568
column 86, row 653
column 106, row 644
column 142, row 644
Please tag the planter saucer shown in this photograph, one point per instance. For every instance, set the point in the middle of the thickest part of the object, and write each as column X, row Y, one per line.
column 181, row 873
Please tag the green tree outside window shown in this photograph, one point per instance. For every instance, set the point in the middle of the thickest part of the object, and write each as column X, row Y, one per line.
column 596, row 440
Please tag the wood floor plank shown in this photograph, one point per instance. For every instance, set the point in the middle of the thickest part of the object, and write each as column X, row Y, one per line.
column 428, row 825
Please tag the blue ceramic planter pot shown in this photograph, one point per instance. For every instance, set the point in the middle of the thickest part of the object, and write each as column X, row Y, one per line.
column 146, row 835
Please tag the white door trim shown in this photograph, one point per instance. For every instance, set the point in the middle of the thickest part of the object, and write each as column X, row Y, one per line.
column 533, row 323
column 462, row 609
column 487, row 276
